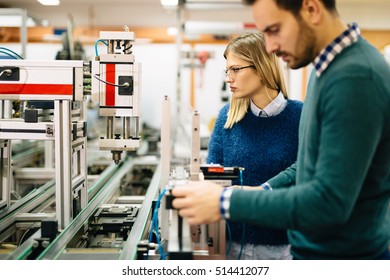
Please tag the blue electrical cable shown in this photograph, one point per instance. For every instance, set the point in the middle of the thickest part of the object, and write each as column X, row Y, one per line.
column 10, row 55
column 243, row 225
column 155, row 215
column 11, row 51
column 230, row 238
column 96, row 44
column 155, row 226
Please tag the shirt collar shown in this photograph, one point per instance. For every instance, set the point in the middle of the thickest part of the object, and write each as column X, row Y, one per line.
column 272, row 109
column 327, row 55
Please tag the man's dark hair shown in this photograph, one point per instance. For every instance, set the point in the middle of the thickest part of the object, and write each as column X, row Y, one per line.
column 295, row 5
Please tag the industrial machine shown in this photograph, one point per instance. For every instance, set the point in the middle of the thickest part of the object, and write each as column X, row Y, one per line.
column 59, row 82
column 175, row 238
column 115, row 86
column 76, row 203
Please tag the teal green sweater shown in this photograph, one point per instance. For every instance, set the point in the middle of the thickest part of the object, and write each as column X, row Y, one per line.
column 335, row 198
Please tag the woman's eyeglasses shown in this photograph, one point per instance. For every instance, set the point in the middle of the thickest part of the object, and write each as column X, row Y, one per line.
column 232, row 72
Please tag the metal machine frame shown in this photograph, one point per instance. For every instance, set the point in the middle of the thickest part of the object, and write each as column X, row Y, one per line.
column 185, row 241
column 113, row 80
column 60, row 82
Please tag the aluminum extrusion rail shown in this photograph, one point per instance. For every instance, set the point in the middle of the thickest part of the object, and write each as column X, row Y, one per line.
column 24, row 250
column 39, row 197
column 130, row 248
column 27, row 204
column 115, row 173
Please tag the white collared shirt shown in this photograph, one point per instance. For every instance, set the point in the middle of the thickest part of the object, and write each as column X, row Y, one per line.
column 272, row 109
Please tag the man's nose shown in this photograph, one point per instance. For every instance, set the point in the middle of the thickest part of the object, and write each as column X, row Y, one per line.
column 271, row 46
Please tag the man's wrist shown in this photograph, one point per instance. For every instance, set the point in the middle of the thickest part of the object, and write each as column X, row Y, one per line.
column 224, row 204
column 266, row 186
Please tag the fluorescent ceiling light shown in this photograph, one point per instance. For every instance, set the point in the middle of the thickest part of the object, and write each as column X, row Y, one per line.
column 222, row 28
column 169, row 2
column 49, row 2
column 214, row 4
column 214, row 1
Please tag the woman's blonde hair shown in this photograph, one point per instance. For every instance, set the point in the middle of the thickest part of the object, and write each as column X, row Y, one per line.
column 250, row 47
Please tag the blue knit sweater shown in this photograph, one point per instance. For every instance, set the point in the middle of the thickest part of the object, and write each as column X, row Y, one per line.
column 264, row 147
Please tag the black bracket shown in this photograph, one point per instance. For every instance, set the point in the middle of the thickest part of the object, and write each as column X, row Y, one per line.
column 9, row 76
column 125, row 90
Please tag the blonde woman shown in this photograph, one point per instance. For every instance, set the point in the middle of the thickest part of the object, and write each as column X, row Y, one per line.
column 257, row 130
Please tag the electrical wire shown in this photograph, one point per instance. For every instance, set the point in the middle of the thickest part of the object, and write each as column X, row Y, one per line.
column 125, row 85
column 155, row 226
column 243, row 225
column 10, row 55
column 8, row 72
column 11, row 51
column 96, row 44
column 242, row 241
column 230, row 238
column 21, row 240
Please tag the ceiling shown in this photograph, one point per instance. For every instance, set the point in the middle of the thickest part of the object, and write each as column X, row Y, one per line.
column 130, row 12
column 370, row 13
column 157, row 2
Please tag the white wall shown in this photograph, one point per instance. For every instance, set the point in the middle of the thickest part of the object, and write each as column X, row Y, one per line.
column 159, row 78
column 367, row 15
column 209, row 82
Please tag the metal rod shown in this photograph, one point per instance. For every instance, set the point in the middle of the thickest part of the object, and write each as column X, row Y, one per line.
column 126, row 128
column 110, row 127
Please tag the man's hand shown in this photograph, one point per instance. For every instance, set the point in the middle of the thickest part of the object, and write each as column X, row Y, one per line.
column 198, row 202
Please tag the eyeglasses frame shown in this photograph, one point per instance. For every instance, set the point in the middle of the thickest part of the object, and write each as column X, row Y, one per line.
column 236, row 70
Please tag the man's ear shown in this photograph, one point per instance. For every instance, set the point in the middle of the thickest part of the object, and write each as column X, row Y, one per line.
column 312, row 11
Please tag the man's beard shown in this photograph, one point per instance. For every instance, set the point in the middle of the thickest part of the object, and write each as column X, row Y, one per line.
column 305, row 51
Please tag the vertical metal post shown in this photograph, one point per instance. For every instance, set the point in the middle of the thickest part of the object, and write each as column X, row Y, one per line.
column 49, row 154
column 195, row 171
column 165, row 163
column 5, row 153
column 5, row 173
column 83, row 158
column 63, row 148
column 110, row 127
column 136, row 127
column 195, row 146
column 179, row 27
column 23, row 32
column 126, row 128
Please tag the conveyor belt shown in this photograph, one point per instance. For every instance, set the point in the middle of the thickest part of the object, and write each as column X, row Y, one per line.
column 36, row 201
column 130, row 249
column 58, row 246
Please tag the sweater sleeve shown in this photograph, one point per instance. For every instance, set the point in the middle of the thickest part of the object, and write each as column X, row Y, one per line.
column 285, row 178
column 351, row 117
column 215, row 147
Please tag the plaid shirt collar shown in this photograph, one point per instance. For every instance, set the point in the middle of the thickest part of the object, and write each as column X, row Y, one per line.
column 327, row 55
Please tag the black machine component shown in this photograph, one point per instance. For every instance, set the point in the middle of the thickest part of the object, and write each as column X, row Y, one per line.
column 128, row 89
column 31, row 115
column 49, row 230
column 112, row 225
column 218, row 172
column 9, row 73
